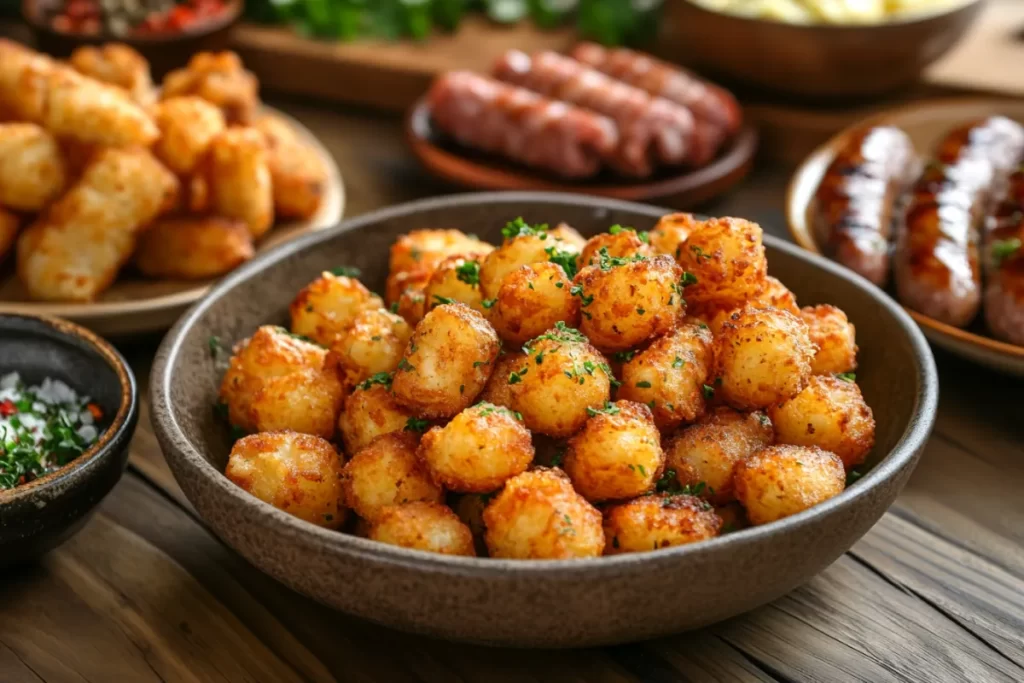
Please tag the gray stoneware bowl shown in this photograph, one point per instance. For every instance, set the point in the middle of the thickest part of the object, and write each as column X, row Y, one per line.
column 40, row 515
column 529, row 603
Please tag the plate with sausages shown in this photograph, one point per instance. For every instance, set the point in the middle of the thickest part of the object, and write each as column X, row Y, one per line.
column 121, row 201
column 608, row 122
column 927, row 201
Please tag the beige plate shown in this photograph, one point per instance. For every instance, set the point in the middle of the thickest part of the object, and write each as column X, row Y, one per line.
column 135, row 305
column 925, row 123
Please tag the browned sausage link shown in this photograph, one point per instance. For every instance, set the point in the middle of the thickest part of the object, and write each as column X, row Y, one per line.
column 649, row 127
column 1004, row 264
column 495, row 117
column 997, row 139
column 936, row 265
column 712, row 106
column 853, row 207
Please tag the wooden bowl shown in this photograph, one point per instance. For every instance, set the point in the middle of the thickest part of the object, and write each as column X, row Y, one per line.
column 164, row 52
column 822, row 61
column 680, row 188
column 925, row 123
column 529, row 603
column 40, row 515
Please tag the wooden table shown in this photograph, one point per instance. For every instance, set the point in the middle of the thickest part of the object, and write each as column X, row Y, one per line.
column 935, row 592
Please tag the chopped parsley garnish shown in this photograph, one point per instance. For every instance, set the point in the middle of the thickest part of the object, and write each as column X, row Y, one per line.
column 678, row 362
column 382, row 378
column 623, row 356
column 488, row 303
column 559, row 333
column 394, row 307
column 405, row 365
column 416, row 424
column 489, row 408
column 478, row 363
column 517, row 376
column 577, row 290
column 688, row 279
column 853, row 475
column 709, row 392
column 469, row 272
column 640, row 311
column 566, row 259
column 556, row 460
column 702, row 326
column 608, row 372
column 442, row 300
column 700, row 253
column 763, row 419
column 609, row 409
column 847, row 376
column 606, row 261
column 667, row 483
column 539, row 358
column 643, row 384
column 214, row 343
column 519, row 228
column 1004, row 249
column 643, row 235
column 346, row 271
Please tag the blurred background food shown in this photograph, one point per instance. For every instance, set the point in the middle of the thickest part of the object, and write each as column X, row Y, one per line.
column 829, row 11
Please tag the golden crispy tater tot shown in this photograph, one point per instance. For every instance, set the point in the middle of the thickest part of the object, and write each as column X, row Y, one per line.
column 22, row 83
column 217, row 77
column 9, row 224
column 829, row 413
column 763, row 356
column 455, row 279
column 776, row 295
column 424, row 249
column 423, row 526
column 569, row 236
column 621, row 243
column 655, row 522
column 447, row 362
column 32, row 172
column 562, row 379
column 669, row 375
column 370, row 411
column 625, row 302
column 276, row 381
column 373, row 344
column 479, row 450
column 672, row 231
column 73, row 252
column 297, row 171
column 617, row 454
column 783, row 480
column 539, row 516
column 188, row 125
column 835, row 337
column 412, row 304
column 328, row 306
column 725, row 261
column 497, row 390
column 515, row 252
column 704, row 456
column 297, row 473
column 387, row 472
column 116, row 64
column 192, row 247
column 532, row 300
column 239, row 179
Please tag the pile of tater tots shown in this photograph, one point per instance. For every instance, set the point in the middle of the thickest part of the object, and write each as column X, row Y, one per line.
column 99, row 169
column 552, row 397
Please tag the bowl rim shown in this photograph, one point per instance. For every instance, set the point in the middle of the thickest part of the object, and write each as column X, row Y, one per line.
column 124, row 418
column 177, row 446
column 800, row 230
column 31, row 13
column 910, row 19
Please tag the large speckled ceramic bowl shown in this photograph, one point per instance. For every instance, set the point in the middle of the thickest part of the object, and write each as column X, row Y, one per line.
column 38, row 516
column 529, row 603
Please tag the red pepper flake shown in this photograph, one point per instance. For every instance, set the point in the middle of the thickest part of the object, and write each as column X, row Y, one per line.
column 7, row 408
column 95, row 411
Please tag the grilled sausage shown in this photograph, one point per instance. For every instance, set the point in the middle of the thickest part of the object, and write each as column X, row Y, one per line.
column 1004, row 265
column 650, row 128
column 715, row 110
column 853, row 208
column 496, row 117
column 937, row 256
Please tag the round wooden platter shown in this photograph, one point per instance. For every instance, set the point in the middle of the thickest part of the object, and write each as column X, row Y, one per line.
column 137, row 305
column 680, row 189
column 925, row 123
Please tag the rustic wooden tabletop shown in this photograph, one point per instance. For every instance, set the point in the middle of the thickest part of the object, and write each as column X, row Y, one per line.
column 935, row 592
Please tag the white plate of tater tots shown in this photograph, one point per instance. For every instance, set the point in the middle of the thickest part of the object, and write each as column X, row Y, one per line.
column 121, row 201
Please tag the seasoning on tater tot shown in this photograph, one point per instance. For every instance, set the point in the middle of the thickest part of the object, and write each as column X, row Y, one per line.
column 829, row 413
column 618, row 242
column 372, row 344
column 297, row 473
column 423, row 526
column 329, row 305
column 762, row 356
column 726, row 262
column 479, row 450
column 538, row 516
column 627, row 301
column 562, row 379
column 425, row 249
column 617, row 454
column 370, row 411
column 447, row 361
column 655, row 522
column 455, row 279
column 532, row 300
column 783, row 480
column 835, row 337
column 669, row 375
column 387, row 472
column 524, row 244
column 705, row 455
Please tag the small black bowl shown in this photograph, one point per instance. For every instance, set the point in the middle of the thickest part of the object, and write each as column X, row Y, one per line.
column 42, row 514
